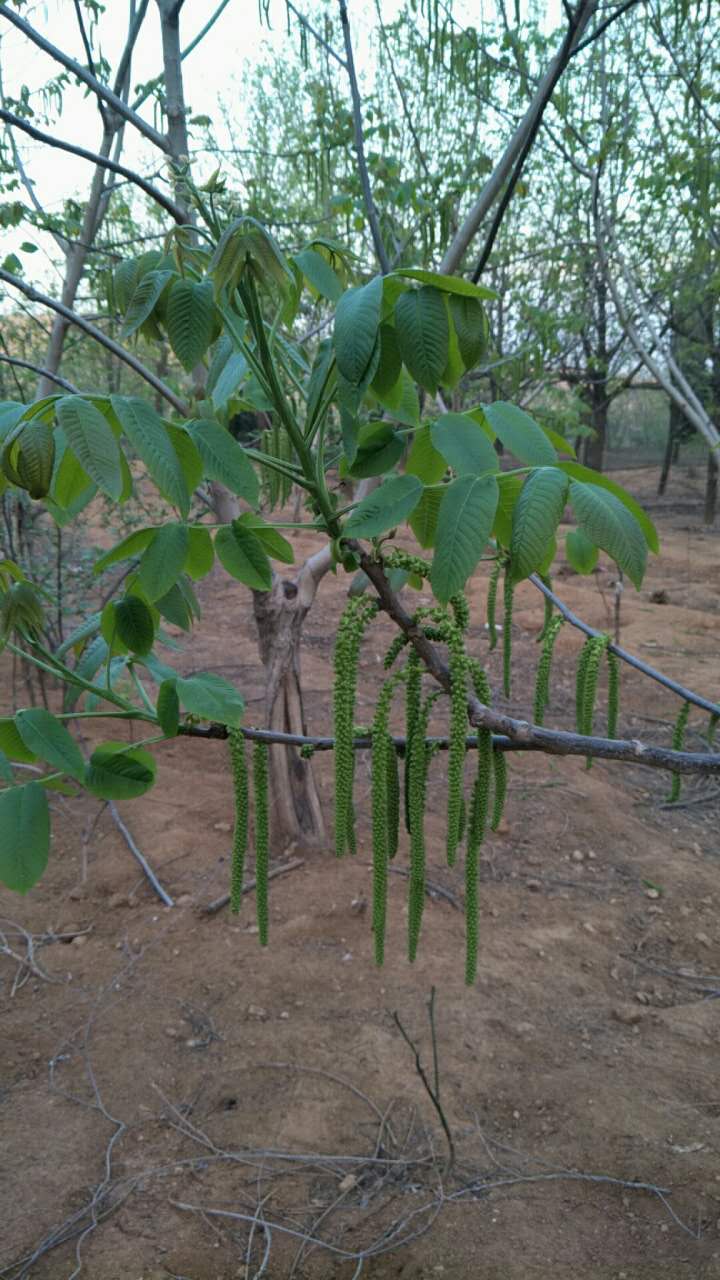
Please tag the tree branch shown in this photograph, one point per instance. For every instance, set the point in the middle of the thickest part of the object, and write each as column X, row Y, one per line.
column 166, row 392
column 370, row 206
column 100, row 90
column 522, row 735
column 44, row 373
column 104, row 162
column 316, row 35
column 516, row 146
column 687, row 695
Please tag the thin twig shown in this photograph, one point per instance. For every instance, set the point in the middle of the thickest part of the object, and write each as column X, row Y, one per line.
column 218, row 903
column 139, row 856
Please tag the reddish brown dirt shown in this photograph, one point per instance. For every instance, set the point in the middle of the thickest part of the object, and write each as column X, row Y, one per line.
column 589, row 1043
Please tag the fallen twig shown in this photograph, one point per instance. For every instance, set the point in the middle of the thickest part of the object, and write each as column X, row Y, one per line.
column 138, row 856
column 249, row 885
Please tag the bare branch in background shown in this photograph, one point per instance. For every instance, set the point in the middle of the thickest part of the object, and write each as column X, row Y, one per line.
column 49, row 140
column 370, row 206
column 44, row 373
column 73, row 318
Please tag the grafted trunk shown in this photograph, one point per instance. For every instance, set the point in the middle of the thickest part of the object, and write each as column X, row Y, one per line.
column 668, row 458
column 280, row 614
column 595, row 445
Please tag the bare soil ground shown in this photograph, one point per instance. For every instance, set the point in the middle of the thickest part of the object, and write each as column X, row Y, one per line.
column 589, row 1046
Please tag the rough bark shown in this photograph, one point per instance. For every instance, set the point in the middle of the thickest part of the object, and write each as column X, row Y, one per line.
column 711, row 488
column 280, row 615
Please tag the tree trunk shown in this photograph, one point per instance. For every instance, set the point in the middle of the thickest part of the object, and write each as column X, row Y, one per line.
column 595, row 444
column 668, row 458
column 280, row 614
column 711, row 488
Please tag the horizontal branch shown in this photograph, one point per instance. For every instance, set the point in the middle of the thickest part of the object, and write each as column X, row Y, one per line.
column 101, row 91
column 44, row 373
column 110, row 345
column 49, row 140
column 687, row 695
column 523, row 735
column 544, row 741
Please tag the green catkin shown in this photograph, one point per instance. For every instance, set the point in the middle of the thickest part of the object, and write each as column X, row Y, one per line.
column 592, row 670
column 475, row 835
column 393, row 803
column 458, row 740
column 417, row 769
column 262, row 842
column 613, row 692
column 461, row 610
column 463, row 819
column 358, row 613
column 395, row 650
column 580, row 674
column 500, row 771
column 397, row 558
column 508, row 594
column 492, row 601
column 542, row 679
column 382, row 745
column 548, row 607
column 236, row 742
column 413, row 698
column 712, row 726
column 678, row 739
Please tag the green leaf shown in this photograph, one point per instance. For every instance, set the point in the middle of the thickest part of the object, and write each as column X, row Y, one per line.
column 319, row 274
column 582, row 554
column 145, row 431
column 190, row 321
column 119, row 772
column 424, row 518
column 423, row 460
column 447, row 284
column 187, row 454
column 466, row 518
column 6, row 772
column 241, row 552
column 24, row 836
column 125, row 550
column 175, row 607
column 378, row 449
column 276, row 546
column 224, row 459
column 509, row 489
column 108, row 629
column 163, row 560
column 471, row 328
column 12, row 744
column 463, row 444
column 402, row 401
column 560, row 442
column 201, row 553
column 423, row 332
column 609, row 524
column 229, row 379
column 384, row 508
column 168, row 708
column 70, row 482
column 212, row 698
column 389, row 364
column 357, row 318
column 134, row 624
column 44, row 735
column 520, row 433
column 536, row 516
column 144, row 300
column 578, row 472
column 93, row 443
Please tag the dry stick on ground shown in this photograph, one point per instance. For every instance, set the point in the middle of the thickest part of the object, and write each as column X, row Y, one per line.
column 218, row 903
column 433, row 1091
column 138, row 856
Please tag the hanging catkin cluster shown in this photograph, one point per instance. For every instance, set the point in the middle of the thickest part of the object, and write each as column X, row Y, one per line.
column 508, row 600
column 262, row 838
column 240, row 835
column 542, row 679
column 492, row 601
column 358, row 613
